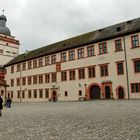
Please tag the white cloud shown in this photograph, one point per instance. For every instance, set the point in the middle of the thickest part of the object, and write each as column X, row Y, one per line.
column 37, row 23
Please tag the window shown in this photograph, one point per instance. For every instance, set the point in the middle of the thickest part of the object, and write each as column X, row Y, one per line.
column 72, row 74
column 46, row 93
column 135, row 41
column 18, row 81
column 8, row 52
column 24, row 66
column 91, row 72
column 23, row 80
column 12, row 94
column 12, row 82
column 40, row 79
column 120, row 69
column 29, row 80
column 90, row 51
column 29, row 64
column 40, row 62
column 54, row 79
column 63, row 57
column 18, row 94
column 104, row 70
column 81, row 73
column 66, row 93
column 40, row 93
column 47, row 60
column 118, row 45
column 135, row 88
column 23, row 94
column 35, row 79
column 18, row 67
column 35, row 93
column 35, row 63
column 80, row 92
column 63, row 76
column 1, row 51
column 137, row 65
column 53, row 59
column 80, row 53
column 29, row 94
column 71, row 55
column 102, row 48
column 14, row 53
column 12, row 69
column 47, row 78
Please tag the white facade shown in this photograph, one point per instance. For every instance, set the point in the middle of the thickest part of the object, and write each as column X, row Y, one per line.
column 9, row 48
column 70, row 90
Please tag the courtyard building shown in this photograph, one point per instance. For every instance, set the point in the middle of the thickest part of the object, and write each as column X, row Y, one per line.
column 102, row 64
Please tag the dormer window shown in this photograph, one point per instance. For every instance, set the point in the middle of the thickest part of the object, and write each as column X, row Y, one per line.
column 118, row 29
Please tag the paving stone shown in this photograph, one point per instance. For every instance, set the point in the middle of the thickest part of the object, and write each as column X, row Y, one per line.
column 89, row 120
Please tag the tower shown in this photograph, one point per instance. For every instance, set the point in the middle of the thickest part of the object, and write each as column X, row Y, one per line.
column 9, row 46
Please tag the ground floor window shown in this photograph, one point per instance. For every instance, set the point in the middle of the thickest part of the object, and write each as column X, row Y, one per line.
column 66, row 93
column 80, row 92
column 18, row 94
column 40, row 93
column 35, row 93
column 29, row 94
column 11, row 94
column 135, row 87
column 23, row 94
column 47, row 93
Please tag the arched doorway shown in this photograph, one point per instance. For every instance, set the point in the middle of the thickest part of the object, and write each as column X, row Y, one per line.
column 54, row 95
column 120, row 93
column 95, row 92
column 107, row 92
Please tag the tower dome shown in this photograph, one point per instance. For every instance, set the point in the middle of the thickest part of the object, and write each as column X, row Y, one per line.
column 3, row 29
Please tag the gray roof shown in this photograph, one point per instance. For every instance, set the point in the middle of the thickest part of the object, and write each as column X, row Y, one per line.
column 3, row 29
column 3, row 17
column 103, row 34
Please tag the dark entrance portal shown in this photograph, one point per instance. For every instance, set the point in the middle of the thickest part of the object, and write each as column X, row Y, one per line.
column 120, row 93
column 54, row 96
column 95, row 92
column 107, row 92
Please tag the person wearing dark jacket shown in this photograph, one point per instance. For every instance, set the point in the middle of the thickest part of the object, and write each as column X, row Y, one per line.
column 8, row 102
column 1, row 106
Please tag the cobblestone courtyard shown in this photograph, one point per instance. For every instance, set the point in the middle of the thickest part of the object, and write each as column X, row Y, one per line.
column 91, row 120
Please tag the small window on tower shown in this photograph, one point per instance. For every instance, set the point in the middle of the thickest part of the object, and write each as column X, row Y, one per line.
column 1, row 51
column 7, row 44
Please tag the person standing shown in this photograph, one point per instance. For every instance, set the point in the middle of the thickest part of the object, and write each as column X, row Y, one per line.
column 8, row 102
column 1, row 106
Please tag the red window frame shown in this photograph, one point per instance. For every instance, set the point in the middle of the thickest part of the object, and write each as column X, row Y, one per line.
column 118, row 45
column 81, row 73
column 103, row 48
column 64, row 76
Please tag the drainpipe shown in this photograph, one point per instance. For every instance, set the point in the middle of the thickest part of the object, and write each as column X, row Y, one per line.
column 126, row 65
column 20, row 85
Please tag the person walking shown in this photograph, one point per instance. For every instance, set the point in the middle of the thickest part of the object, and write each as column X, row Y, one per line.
column 1, row 106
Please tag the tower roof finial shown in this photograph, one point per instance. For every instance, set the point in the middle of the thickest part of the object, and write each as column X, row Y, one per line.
column 3, row 11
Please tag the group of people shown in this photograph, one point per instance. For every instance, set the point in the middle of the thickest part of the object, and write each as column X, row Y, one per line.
column 7, row 104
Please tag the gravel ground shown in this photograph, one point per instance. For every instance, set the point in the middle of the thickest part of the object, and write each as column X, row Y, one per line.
column 85, row 120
